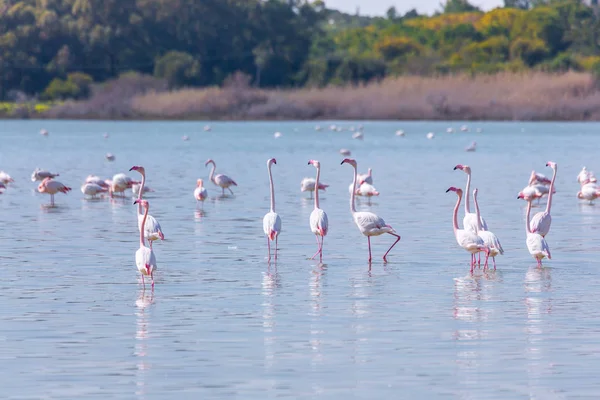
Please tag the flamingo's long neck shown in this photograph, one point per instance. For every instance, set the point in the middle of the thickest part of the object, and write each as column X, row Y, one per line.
column 467, row 208
column 549, row 204
column 142, row 227
column 352, row 206
column 455, row 214
column 317, row 187
column 478, row 214
column 212, row 172
column 527, row 228
column 272, row 190
column 141, row 191
column 369, row 173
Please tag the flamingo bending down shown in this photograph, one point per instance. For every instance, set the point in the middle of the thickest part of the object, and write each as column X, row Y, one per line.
column 309, row 184
column 200, row 193
column 465, row 238
column 589, row 192
column 153, row 229
column 319, row 224
column 536, row 191
column 365, row 178
column 91, row 189
column 540, row 223
column 271, row 221
column 220, row 180
column 5, row 178
column 369, row 223
column 470, row 219
column 52, row 187
column 40, row 175
column 490, row 240
column 120, row 183
column 145, row 260
column 536, row 244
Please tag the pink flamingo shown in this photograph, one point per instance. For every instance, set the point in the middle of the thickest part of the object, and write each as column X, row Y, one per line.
column 589, row 192
column 489, row 238
column 366, row 178
column 470, row 219
column 369, row 223
column 200, row 193
column 319, row 224
column 145, row 260
column 2, row 186
column 540, row 223
column 466, row 238
column 220, row 180
column 308, row 185
column 52, row 187
column 271, row 221
column 153, row 228
column 536, row 244
column 92, row 189
column 5, row 178
column 536, row 177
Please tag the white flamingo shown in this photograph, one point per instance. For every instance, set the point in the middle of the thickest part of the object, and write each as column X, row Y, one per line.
column 365, row 178
column 585, row 177
column 540, row 223
column 40, row 175
column 220, row 180
column 589, row 192
column 489, row 238
column 470, row 219
column 536, row 177
column 92, row 189
column 319, row 224
column 271, row 221
column 536, row 244
column 309, row 184
column 52, row 187
column 466, row 239
column 97, row 181
column 5, row 178
column 145, row 260
column 153, row 229
column 135, row 189
column 369, row 223
column 200, row 193
column 120, row 183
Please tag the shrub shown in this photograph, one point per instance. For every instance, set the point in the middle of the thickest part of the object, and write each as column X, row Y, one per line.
column 76, row 86
column 531, row 51
column 178, row 69
column 395, row 47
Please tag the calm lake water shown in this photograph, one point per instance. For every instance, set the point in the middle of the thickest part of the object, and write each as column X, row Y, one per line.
column 75, row 323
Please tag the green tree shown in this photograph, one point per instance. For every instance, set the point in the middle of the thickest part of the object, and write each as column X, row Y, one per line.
column 178, row 69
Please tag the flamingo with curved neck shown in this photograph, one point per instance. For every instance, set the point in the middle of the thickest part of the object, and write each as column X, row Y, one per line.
column 541, row 221
column 221, row 180
column 145, row 259
column 153, row 228
column 319, row 223
column 536, row 244
column 470, row 219
column 271, row 221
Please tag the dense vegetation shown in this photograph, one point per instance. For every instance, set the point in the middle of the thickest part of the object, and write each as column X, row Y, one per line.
column 57, row 49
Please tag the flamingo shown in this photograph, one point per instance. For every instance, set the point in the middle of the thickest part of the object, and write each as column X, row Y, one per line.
column 540, row 223
column 5, row 178
column 153, row 229
column 536, row 177
column 40, row 175
column 200, row 193
column 92, row 189
column 471, row 147
column 585, row 177
column 145, row 260
column 96, row 180
column 470, row 219
column 52, row 187
column 366, row 178
column 110, row 157
column 271, row 221
column 467, row 239
column 533, row 192
column 309, row 184
column 319, row 224
column 589, row 192
column 490, row 240
column 2, row 187
column 536, row 244
column 119, row 183
column 220, row 180
column 369, row 223
column 345, row 152
column 135, row 189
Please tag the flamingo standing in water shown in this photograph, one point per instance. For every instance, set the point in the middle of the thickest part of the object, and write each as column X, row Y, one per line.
column 470, row 219
column 466, row 238
column 589, row 192
column 365, row 178
column 5, row 178
column 271, row 221
column 200, row 193
column 40, row 175
column 92, row 189
column 309, row 185
column 536, row 244
column 540, row 223
column 220, row 180
column 120, row 183
column 490, row 240
column 52, row 187
column 153, row 229
column 145, row 260
column 368, row 223
column 319, row 225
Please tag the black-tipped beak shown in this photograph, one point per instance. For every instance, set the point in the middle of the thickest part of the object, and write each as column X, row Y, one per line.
column 518, row 197
column 131, row 169
column 455, row 168
column 308, row 163
column 448, row 189
column 341, row 163
column 135, row 202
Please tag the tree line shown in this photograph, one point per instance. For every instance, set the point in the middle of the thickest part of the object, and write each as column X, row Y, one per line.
column 58, row 48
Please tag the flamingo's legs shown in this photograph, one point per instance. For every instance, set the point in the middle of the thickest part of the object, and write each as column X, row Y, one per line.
column 318, row 247
column 143, row 282
column 397, row 240
column 321, row 250
column 229, row 190
column 494, row 259
column 269, row 249
column 369, row 240
column 276, row 247
column 152, row 276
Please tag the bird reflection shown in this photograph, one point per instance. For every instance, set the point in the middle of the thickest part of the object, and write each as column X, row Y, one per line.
column 143, row 302
column 361, row 293
column 315, row 284
column 199, row 214
column 270, row 283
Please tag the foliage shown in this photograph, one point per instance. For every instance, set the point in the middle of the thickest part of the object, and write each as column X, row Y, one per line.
column 178, row 68
column 76, row 86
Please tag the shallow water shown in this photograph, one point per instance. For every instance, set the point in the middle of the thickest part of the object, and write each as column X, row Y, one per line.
column 221, row 323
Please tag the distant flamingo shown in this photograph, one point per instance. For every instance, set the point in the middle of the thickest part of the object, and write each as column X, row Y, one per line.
column 536, row 191
column 40, row 175
column 153, row 229
column 52, row 187
column 220, row 180
column 308, row 185
column 536, row 244
column 96, row 180
column 589, row 192
column 470, row 219
column 135, row 189
column 465, row 238
column 540, row 223
column 120, row 183
column 144, row 256
column 369, row 223
column 471, row 147
column 536, row 177
column 319, row 224
column 92, row 189
column 271, row 221
column 490, row 240
column 200, row 193
column 585, row 177
column 2, row 186
column 5, row 178
column 365, row 178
